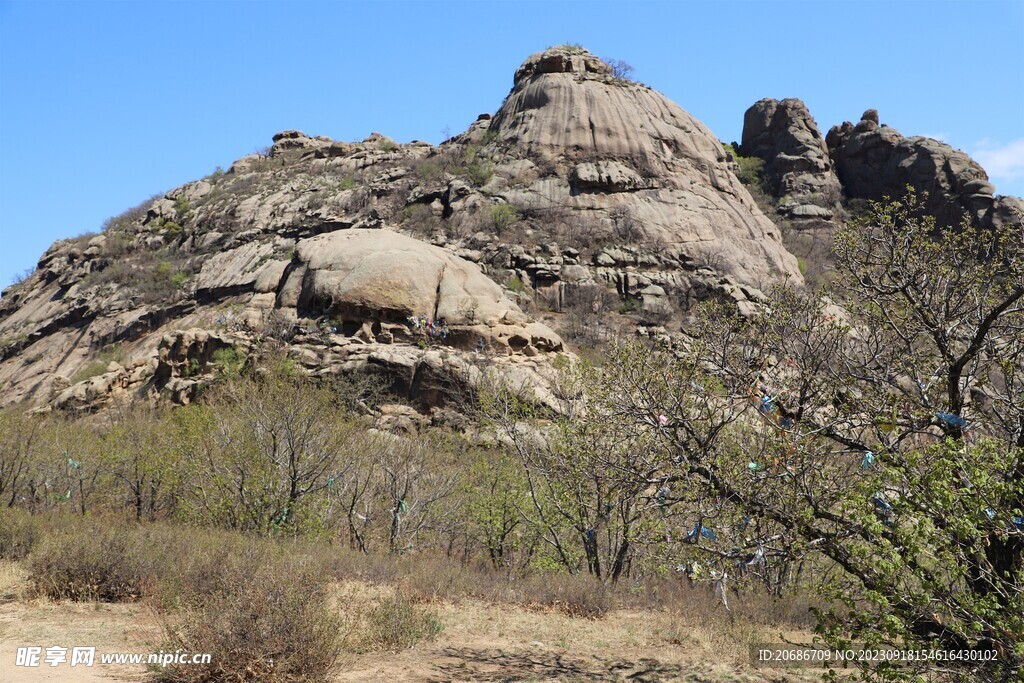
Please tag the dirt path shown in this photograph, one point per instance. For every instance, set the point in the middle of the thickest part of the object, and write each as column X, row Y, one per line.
column 491, row 643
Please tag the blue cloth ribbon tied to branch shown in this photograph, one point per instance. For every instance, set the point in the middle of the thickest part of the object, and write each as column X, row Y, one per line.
column 952, row 419
column 700, row 530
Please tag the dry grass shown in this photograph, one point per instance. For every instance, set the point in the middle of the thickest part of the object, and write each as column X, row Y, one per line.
column 14, row 583
column 480, row 641
column 86, row 563
column 390, row 623
column 287, row 610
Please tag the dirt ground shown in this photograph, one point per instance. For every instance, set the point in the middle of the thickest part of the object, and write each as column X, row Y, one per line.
column 480, row 642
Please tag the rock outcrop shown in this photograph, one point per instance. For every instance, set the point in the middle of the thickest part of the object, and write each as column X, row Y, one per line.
column 814, row 180
column 797, row 163
column 581, row 187
column 369, row 290
column 797, row 172
column 873, row 161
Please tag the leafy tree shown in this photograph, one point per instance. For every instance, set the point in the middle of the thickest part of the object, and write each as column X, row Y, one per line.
column 495, row 496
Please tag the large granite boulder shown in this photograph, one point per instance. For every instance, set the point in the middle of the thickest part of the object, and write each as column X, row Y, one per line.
column 346, row 299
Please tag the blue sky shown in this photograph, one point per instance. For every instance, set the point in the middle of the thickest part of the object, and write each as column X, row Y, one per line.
column 105, row 104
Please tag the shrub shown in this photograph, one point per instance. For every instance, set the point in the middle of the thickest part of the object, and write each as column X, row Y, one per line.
column 428, row 169
column 575, row 596
column 89, row 371
column 502, row 216
column 419, row 219
column 229, row 361
column 621, row 70
column 624, row 224
column 171, row 228
column 479, row 171
column 395, row 623
column 129, row 217
column 750, row 169
column 515, row 284
column 25, row 274
column 473, row 166
column 178, row 280
column 586, row 321
column 19, row 532
column 99, row 366
column 262, row 621
column 11, row 342
column 104, row 563
column 154, row 275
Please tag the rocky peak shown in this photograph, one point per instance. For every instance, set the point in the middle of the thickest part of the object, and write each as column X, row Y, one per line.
column 873, row 161
column 566, row 102
column 615, row 147
column 562, row 59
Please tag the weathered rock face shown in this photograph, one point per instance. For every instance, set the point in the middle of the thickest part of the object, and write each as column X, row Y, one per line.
column 376, row 281
column 362, row 285
column 809, row 177
column 797, row 172
column 874, row 161
column 619, row 146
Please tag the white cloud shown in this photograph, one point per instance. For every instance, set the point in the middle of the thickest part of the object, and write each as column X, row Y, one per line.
column 1001, row 162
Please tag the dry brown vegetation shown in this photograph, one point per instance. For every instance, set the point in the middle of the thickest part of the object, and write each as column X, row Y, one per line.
column 293, row 610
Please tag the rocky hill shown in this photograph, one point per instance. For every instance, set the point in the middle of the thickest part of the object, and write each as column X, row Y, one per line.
column 586, row 201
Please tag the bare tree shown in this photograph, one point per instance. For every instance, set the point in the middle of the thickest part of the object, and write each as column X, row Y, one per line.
column 412, row 484
column 620, row 69
column 273, row 440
